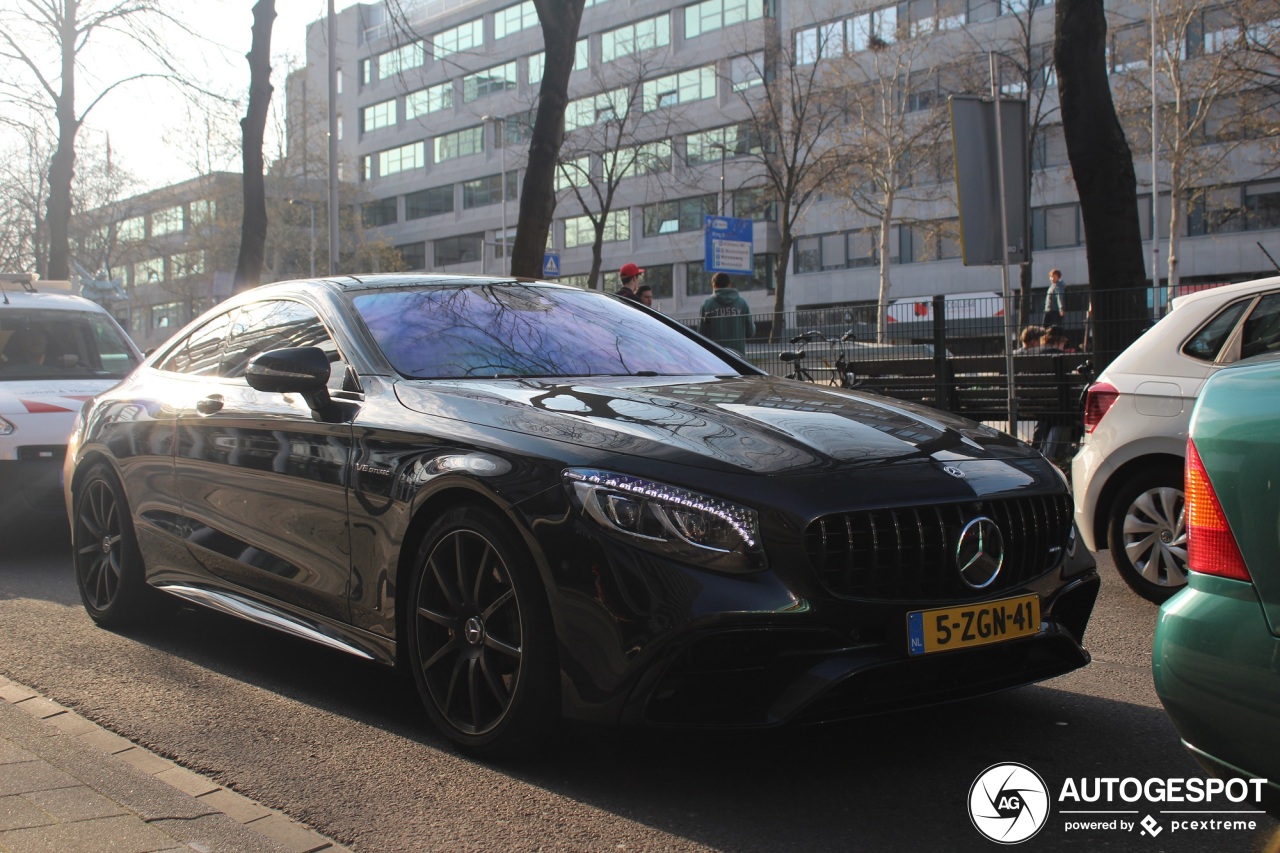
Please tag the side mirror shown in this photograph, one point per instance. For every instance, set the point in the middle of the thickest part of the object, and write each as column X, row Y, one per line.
column 297, row 370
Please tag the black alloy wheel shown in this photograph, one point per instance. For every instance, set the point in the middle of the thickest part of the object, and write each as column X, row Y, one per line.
column 1147, row 533
column 108, row 565
column 480, row 639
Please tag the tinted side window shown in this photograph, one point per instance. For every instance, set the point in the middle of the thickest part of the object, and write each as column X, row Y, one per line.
column 1212, row 335
column 1262, row 329
column 201, row 353
column 265, row 326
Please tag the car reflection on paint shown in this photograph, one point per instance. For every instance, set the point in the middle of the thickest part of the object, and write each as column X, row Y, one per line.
column 550, row 504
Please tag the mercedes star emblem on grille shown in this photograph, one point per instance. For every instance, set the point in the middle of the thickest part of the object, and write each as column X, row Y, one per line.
column 980, row 552
column 953, row 471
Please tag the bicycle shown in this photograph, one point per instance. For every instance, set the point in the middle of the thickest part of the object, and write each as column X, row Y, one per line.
column 837, row 364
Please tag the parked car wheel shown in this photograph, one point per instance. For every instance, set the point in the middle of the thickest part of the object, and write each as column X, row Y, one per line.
column 1147, row 533
column 108, row 564
column 481, row 644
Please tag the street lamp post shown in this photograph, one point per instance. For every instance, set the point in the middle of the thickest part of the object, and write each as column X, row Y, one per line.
column 500, row 138
column 311, row 205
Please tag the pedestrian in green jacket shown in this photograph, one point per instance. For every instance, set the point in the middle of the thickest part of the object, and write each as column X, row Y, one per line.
column 725, row 316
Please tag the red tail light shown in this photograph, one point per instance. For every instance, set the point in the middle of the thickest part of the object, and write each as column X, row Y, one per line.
column 1101, row 396
column 1211, row 547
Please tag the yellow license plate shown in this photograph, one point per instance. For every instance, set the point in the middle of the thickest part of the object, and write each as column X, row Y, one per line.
column 948, row 628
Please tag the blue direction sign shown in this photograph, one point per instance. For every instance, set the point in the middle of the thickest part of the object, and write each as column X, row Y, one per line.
column 551, row 265
column 729, row 246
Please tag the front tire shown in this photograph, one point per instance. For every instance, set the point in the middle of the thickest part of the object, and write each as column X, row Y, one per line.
column 480, row 636
column 1147, row 533
column 109, row 569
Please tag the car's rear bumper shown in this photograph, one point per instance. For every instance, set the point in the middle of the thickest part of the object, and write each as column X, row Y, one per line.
column 1216, row 666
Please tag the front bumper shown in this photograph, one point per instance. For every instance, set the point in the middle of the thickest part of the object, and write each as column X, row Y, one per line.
column 31, row 483
column 769, row 676
column 1216, row 667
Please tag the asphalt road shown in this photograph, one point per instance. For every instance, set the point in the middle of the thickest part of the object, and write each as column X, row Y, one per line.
column 341, row 745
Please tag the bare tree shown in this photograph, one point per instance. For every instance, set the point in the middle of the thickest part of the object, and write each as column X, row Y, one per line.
column 43, row 45
column 1103, row 169
column 560, row 20
column 893, row 138
column 792, row 113
column 253, row 226
column 1201, row 119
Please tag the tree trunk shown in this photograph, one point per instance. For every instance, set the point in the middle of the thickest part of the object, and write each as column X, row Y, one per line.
column 1102, row 166
column 62, row 167
column 253, row 227
column 882, row 299
column 560, row 20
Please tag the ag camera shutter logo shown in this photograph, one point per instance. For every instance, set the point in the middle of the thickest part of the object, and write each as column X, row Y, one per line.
column 1009, row 803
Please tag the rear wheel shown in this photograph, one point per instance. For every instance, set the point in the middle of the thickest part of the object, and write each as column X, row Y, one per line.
column 481, row 642
column 109, row 571
column 1147, row 532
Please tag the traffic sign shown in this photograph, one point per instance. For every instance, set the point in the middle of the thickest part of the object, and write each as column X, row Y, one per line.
column 551, row 265
column 729, row 246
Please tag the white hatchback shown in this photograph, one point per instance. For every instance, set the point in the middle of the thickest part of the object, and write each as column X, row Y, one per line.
column 56, row 352
column 1128, row 476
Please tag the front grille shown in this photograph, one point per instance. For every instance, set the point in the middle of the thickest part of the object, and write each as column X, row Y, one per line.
column 43, row 453
column 910, row 553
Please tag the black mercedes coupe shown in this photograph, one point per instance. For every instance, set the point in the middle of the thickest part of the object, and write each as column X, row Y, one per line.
column 548, row 503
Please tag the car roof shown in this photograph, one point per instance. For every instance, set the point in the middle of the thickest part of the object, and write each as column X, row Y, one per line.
column 48, row 301
column 383, row 281
column 1226, row 292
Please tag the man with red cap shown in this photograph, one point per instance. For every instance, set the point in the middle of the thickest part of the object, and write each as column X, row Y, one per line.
column 630, row 275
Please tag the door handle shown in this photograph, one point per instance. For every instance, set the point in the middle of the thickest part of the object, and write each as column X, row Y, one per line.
column 210, row 405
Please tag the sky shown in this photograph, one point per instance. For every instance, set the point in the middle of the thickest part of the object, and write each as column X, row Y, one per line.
column 150, row 127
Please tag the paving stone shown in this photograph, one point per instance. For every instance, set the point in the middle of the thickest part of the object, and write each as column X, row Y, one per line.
column 293, row 835
column 238, row 807
column 187, row 782
column 147, row 762
column 108, row 742
column 28, row 776
column 77, row 803
column 123, row 834
column 19, row 813
column 41, row 708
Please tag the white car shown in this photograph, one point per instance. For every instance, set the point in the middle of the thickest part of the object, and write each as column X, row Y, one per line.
column 56, row 351
column 1128, row 476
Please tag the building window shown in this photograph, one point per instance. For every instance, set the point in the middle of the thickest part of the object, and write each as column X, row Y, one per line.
column 430, row 202
column 596, row 109
column 468, row 36
column 711, row 15
column 652, row 158
column 861, row 247
column 366, row 72
column 581, row 60
column 1262, row 205
column 133, row 228
column 185, row 264
column 167, row 221
column 1218, row 210
column 696, row 84
column 721, row 143
column 746, row 71
column 366, row 167
column 414, row 255
column 824, row 41
column 394, row 160
column 500, row 78
column 401, row 59
column 573, row 173
column 537, row 63
column 580, row 231
column 1055, row 227
column 876, row 28
column 515, row 18
column 808, row 255
column 1129, row 48
column 482, row 191
column 756, row 203
column 670, row 217
column 429, row 100
column 635, row 37
column 460, row 143
column 380, row 212
column 378, row 115
column 459, row 250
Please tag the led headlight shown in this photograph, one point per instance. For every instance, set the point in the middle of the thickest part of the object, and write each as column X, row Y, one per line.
column 6, row 428
column 678, row 523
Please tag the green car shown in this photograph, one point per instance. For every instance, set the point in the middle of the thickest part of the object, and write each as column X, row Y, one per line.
column 1216, row 658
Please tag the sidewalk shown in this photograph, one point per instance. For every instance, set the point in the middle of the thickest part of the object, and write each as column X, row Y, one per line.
column 70, row 786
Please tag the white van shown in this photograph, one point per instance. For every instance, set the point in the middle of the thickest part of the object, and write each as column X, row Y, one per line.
column 56, row 351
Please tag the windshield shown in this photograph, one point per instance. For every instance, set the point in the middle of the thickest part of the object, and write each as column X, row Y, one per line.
column 42, row 344
column 512, row 330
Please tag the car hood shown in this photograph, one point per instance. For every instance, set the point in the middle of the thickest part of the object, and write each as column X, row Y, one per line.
column 760, row 424
column 46, row 396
